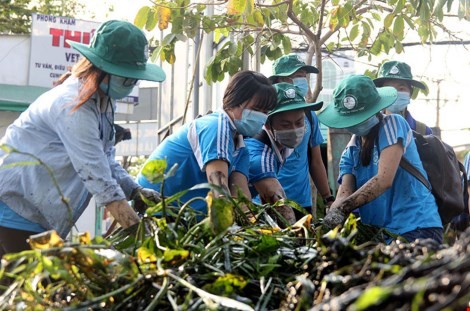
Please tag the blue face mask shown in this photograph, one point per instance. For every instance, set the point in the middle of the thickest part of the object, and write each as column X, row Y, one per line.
column 251, row 122
column 302, row 84
column 403, row 99
column 362, row 129
column 118, row 87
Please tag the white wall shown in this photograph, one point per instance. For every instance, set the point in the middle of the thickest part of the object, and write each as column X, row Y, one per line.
column 14, row 59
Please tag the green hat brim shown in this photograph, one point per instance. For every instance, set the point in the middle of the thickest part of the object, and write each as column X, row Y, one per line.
column 151, row 72
column 380, row 81
column 331, row 118
column 307, row 68
column 297, row 105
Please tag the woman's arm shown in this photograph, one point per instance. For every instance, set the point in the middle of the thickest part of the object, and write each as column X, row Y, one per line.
column 347, row 187
column 217, row 174
column 388, row 164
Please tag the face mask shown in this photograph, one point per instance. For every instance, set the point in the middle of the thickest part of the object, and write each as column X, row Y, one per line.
column 251, row 122
column 362, row 129
column 403, row 99
column 302, row 84
column 289, row 138
column 118, row 87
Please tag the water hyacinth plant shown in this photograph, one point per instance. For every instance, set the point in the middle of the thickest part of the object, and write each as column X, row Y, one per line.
column 177, row 259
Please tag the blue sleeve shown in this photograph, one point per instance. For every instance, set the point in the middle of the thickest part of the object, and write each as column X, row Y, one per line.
column 211, row 139
column 428, row 130
column 395, row 129
column 262, row 160
column 316, row 137
column 346, row 164
column 466, row 163
column 241, row 162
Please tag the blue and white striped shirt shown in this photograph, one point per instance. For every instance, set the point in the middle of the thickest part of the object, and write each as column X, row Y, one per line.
column 211, row 137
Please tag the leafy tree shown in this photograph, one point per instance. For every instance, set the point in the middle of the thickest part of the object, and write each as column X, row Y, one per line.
column 15, row 15
column 272, row 27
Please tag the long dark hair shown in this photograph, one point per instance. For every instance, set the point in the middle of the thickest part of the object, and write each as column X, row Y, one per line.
column 246, row 85
column 370, row 139
column 89, row 75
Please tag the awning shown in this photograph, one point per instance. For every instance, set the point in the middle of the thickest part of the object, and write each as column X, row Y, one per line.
column 18, row 97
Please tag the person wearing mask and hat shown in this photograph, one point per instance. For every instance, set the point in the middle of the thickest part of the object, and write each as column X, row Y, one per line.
column 70, row 129
column 210, row 149
column 398, row 75
column 306, row 158
column 370, row 176
column 283, row 132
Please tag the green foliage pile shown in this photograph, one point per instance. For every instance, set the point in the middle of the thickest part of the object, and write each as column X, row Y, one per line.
column 175, row 262
column 175, row 259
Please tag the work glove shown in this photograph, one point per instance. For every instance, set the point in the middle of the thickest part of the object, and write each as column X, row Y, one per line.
column 141, row 195
column 334, row 217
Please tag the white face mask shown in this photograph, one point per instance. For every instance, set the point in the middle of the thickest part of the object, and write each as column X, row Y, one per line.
column 289, row 138
column 403, row 99
column 302, row 84
column 362, row 129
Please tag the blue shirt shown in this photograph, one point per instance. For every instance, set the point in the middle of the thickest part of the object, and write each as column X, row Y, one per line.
column 211, row 137
column 408, row 204
column 77, row 146
column 264, row 162
column 294, row 174
column 412, row 122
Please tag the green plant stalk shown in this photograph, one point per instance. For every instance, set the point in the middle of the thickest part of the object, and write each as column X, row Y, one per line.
column 211, row 298
column 105, row 297
column 164, row 288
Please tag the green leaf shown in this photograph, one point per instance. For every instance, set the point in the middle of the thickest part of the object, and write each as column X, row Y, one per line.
column 168, row 39
column 398, row 47
column 141, row 17
column 330, row 46
column 371, row 297
column 250, row 6
column 152, row 20
column 153, row 170
column 175, row 254
column 286, row 45
column 388, row 20
column 235, row 7
column 399, row 28
column 376, row 16
column 258, row 17
column 220, row 213
column 409, row 21
column 354, row 32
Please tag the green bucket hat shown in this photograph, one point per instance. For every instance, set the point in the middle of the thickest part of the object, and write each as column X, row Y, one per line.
column 356, row 99
column 395, row 70
column 120, row 48
column 286, row 65
column 289, row 98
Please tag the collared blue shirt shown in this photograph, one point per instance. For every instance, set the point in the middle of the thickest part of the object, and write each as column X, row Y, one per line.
column 211, row 137
column 264, row 162
column 412, row 122
column 408, row 204
column 294, row 175
column 77, row 148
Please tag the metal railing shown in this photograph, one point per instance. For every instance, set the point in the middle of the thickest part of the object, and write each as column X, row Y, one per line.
column 167, row 129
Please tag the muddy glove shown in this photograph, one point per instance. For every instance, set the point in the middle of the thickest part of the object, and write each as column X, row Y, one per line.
column 141, row 195
column 334, row 217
